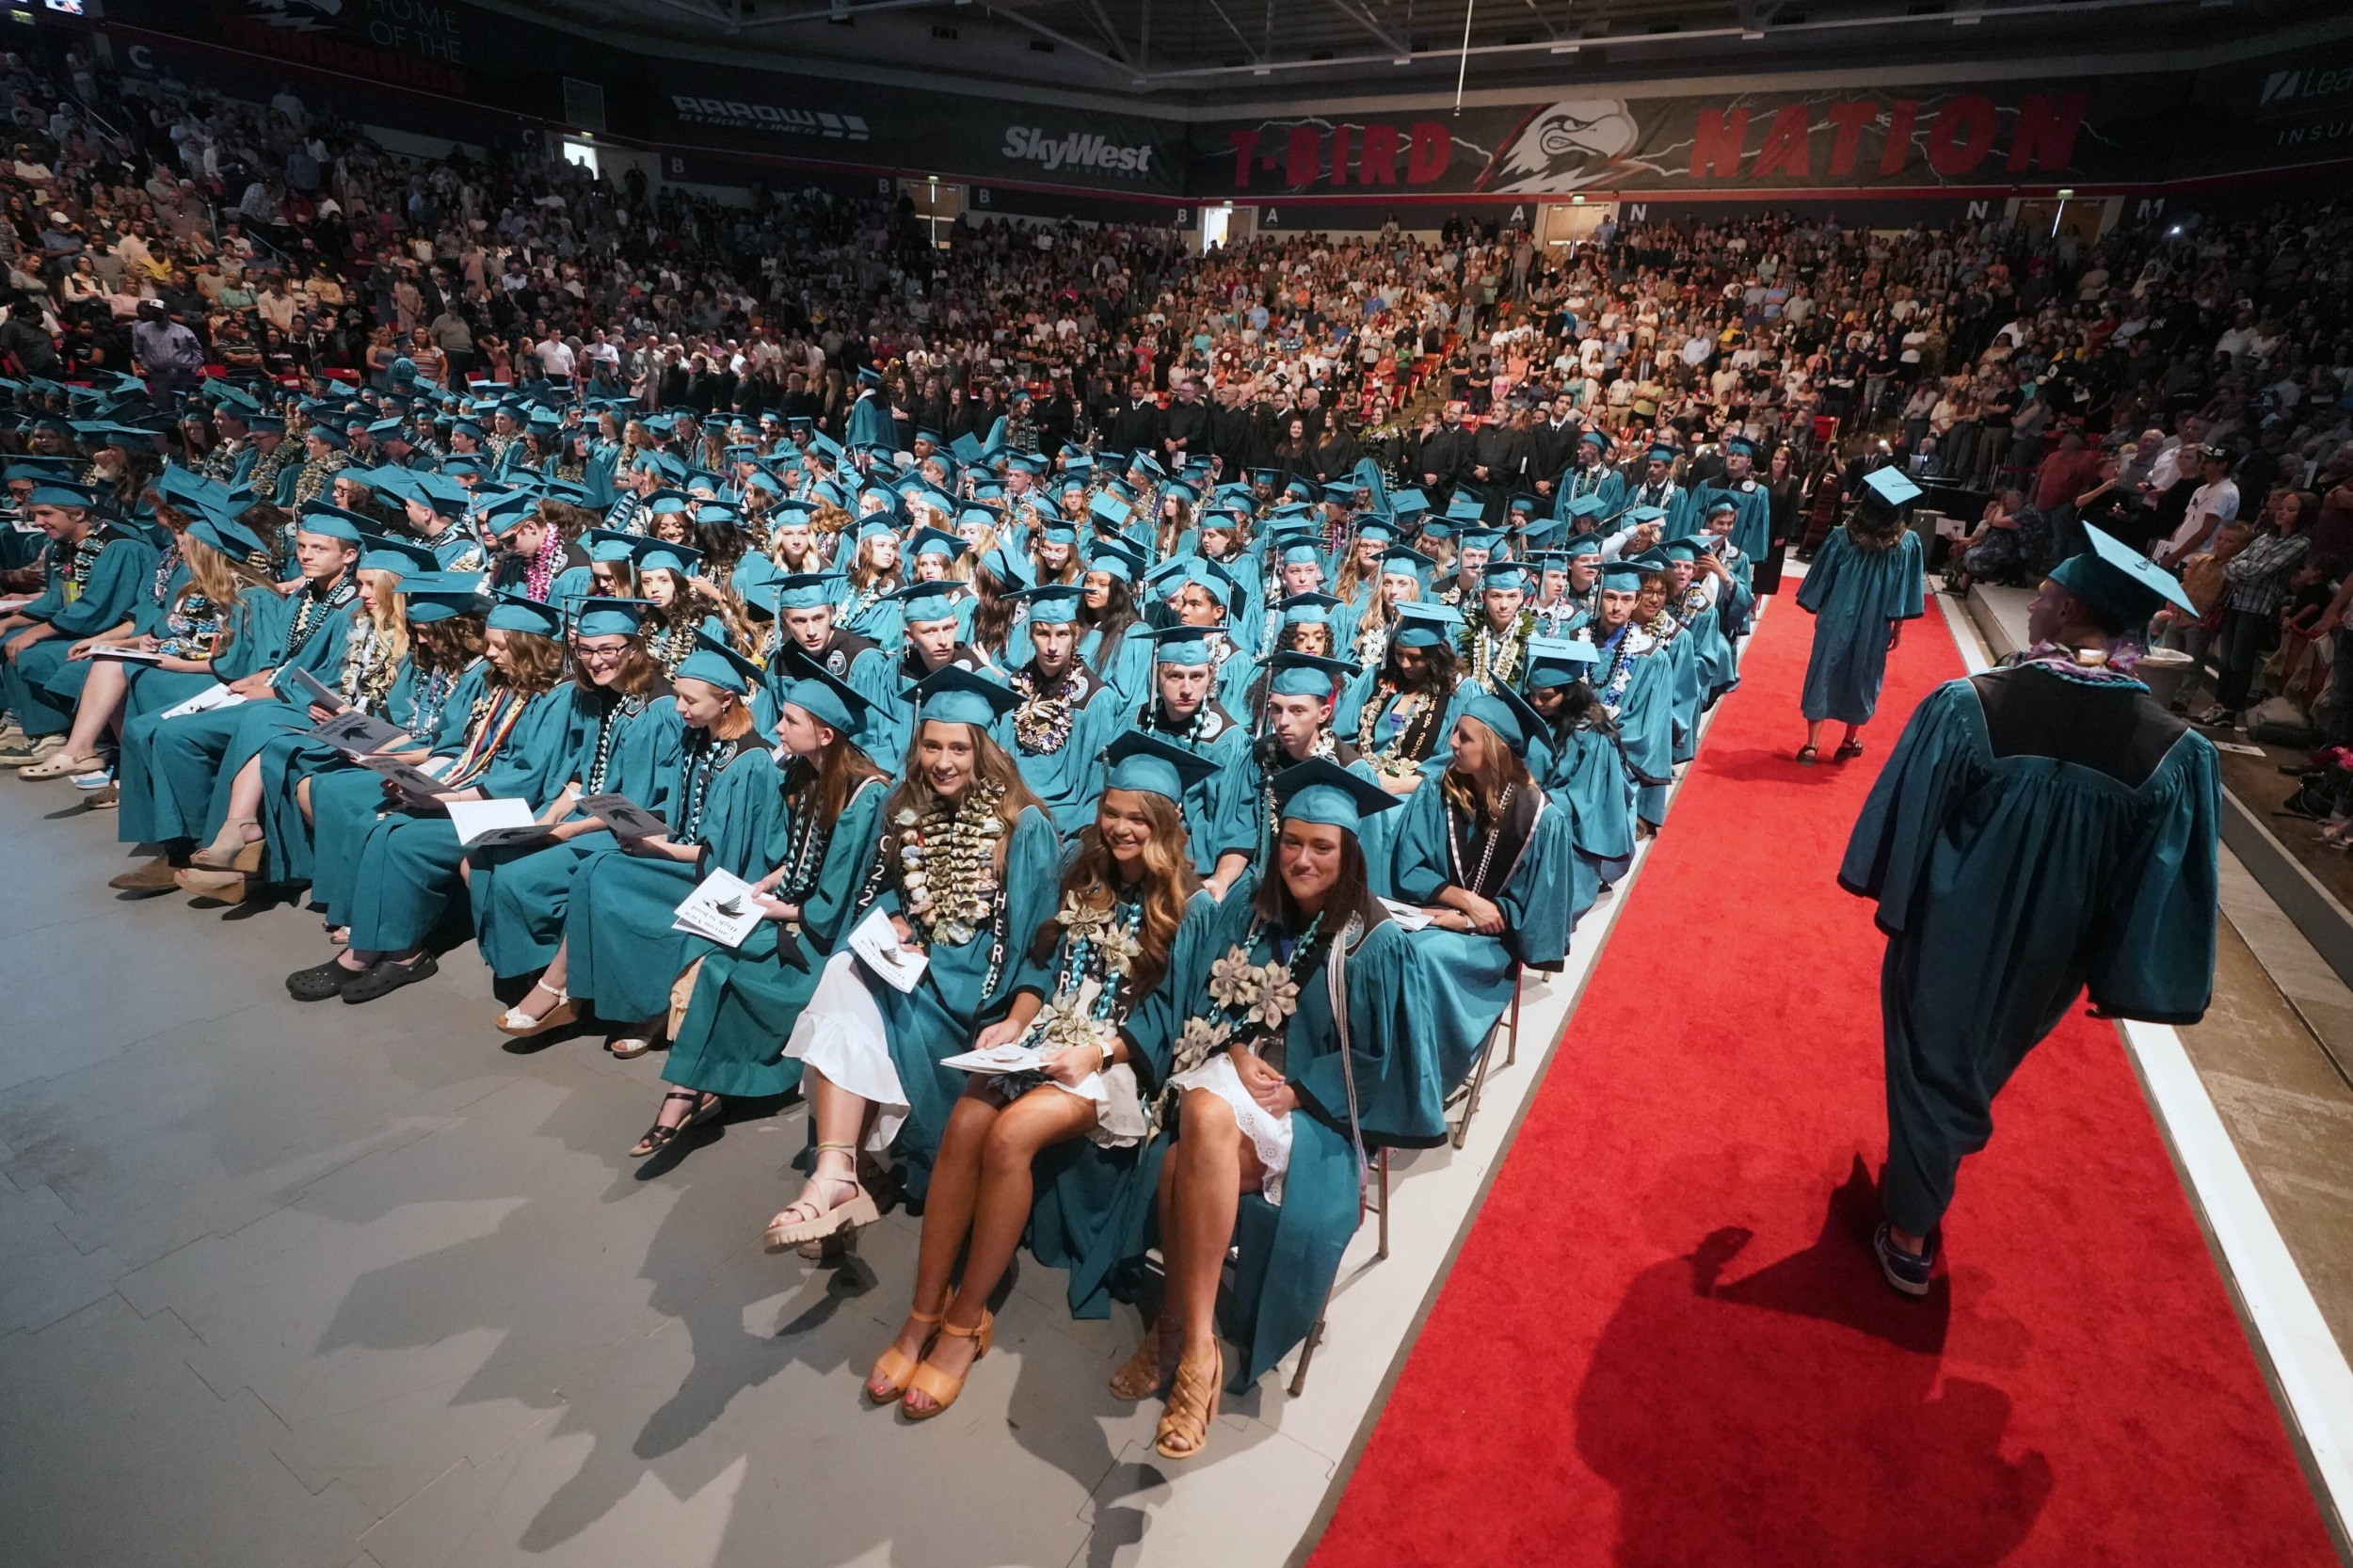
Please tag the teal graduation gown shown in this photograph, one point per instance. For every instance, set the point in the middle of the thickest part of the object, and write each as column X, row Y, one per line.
column 118, row 580
column 1292, row 1254
column 2008, row 879
column 623, row 952
column 746, row 1001
column 345, row 801
column 1471, row 976
column 1070, row 778
column 961, row 990
column 1092, row 1203
column 521, row 894
column 1216, row 808
column 407, row 872
column 1855, row 595
column 1582, row 768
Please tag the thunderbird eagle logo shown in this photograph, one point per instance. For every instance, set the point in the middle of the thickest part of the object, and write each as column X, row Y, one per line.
column 1564, row 147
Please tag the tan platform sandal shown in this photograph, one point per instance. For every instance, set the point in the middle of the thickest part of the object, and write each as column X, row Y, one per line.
column 231, row 851
column 522, row 1025
column 1184, row 1430
column 785, row 1231
column 895, row 1366
column 937, row 1386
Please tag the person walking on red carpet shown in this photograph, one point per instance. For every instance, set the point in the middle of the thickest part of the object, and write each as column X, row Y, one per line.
column 2040, row 828
column 1863, row 585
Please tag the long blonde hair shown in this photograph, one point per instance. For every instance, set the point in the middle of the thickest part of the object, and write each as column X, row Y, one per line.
column 1481, row 790
column 990, row 765
column 1169, row 882
column 219, row 580
column 388, row 615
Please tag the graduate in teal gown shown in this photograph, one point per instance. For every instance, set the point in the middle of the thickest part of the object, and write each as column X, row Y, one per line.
column 821, row 820
column 1482, row 848
column 1294, row 725
column 2039, row 829
column 1700, row 581
column 1400, row 713
column 1864, row 584
column 169, row 768
column 1098, row 1010
column 442, row 671
column 1576, row 758
column 1277, row 1098
column 1068, row 712
column 1634, row 688
column 621, row 738
column 271, row 747
column 621, row 953
column 1738, row 488
column 1183, row 712
column 97, row 572
column 1107, row 609
column 408, row 867
column 965, row 869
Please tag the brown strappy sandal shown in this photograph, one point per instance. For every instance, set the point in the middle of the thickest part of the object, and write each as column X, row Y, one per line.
column 1191, row 1406
column 937, row 1386
column 895, row 1364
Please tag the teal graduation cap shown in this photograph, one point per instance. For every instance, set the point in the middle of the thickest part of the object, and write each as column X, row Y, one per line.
column 1559, row 661
column 814, row 690
column 1320, row 791
column 717, row 664
column 954, row 695
column 611, row 618
column 2114, row 577
column 514, row 612
column 1421, row 625
column 1306, row 675
column 1137, row 761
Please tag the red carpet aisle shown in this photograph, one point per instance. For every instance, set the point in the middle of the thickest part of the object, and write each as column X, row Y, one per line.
column 1664, row 1341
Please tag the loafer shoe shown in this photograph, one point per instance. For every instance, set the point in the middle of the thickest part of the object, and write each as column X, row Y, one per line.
column 1907, row 1272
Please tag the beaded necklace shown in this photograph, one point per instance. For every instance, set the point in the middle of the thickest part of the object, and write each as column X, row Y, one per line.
column 86, row 553
column 166, row 564
column 432, row 695
column 806, row 845
column 702, row 760
column 368, row 675
column 312, row 608
column 1042, row 724
column 670, row 645
column 608, row 731
column 1476, row 882
column 1414, row 713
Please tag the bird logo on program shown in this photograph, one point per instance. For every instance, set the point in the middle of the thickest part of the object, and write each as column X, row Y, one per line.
column 1563, row 147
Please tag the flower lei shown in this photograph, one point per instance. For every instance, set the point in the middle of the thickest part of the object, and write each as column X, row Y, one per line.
column 1612, row 686
column 948, row 865
column 1043, row 722
column 1251, row 1005
column 1494, row 661
column 542, row 570
column 1394, row 760
column 368, row 676
column 1099, row 946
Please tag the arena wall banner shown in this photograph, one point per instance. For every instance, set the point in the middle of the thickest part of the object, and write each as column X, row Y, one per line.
column 978, row 139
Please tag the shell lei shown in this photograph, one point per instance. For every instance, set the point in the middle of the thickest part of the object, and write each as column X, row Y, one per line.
column 948, row 866
column 1042, row 724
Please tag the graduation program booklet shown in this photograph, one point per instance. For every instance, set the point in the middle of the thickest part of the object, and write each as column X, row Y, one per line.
column 1407, row 916
column 211, row 696
column 1016, row 1057
column 356, row 734
column 411, row 781
column 721, row 909
column 128, row 653
column 624, row 816
column 305, row 687
column 876, row 941
column 493, row 821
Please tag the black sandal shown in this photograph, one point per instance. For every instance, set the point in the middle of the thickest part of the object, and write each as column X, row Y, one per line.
column 1846, row 749
column 658, row 1136
column 1807, row 757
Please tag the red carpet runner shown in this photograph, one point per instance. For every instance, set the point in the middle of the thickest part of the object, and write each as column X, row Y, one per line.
column 1665, row 1342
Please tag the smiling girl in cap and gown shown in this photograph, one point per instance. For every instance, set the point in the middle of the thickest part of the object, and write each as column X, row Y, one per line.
column 2039, row 829
column 620, row 950
column 1100, row 1000
column 1483, row 849
column 820, row 817
column 622, row 737
column 1400, row 713
column 1864, row 584
column 407, row 865
column 964, row 870
column 1275, row 1098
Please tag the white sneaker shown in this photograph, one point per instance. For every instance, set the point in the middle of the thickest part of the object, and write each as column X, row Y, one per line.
column 97, row 778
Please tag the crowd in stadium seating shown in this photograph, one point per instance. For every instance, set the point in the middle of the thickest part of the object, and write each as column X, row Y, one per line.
column 1042, row 695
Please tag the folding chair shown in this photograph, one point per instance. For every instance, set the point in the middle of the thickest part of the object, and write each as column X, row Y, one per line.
column 1507, row 1024
column 1315, row 1334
